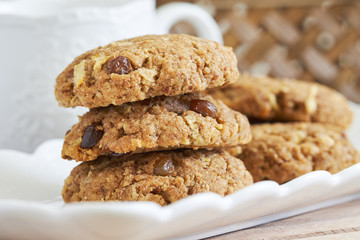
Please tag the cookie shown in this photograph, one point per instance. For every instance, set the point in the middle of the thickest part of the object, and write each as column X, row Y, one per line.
column 266, row 99
column 284, row 151
column 160, row 123
column 143, row 67
column 162, row 177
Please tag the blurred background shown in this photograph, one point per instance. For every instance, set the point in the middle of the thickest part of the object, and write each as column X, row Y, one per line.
column 311, row 40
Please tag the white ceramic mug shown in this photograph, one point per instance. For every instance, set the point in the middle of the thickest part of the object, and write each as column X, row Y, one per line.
column 38, row 38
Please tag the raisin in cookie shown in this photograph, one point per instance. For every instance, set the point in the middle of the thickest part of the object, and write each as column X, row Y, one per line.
column 267, row 99
column 143, row 67
column 162, row 177
column 160, row 123
column 284, row 151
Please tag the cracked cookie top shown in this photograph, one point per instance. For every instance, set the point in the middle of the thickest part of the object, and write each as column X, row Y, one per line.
column 142, row 67
column 162, row 177
column 160, row 123
column 267, row 99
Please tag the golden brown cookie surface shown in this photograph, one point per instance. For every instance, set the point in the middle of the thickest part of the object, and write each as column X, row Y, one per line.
column 160, row 123
column 267, row 99
column 138, row 68
column 162, row 177
column 284, row 151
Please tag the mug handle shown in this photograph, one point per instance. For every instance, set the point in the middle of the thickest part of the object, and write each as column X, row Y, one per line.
column 204, row 24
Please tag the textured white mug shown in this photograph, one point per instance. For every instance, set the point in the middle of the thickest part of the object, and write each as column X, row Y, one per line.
column 38, row 38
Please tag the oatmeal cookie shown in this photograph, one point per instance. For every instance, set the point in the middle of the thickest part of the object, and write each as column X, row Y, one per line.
column 266, row 99
column 283, row 151
column 160, row 123
column 162, row 177
column 142, row 67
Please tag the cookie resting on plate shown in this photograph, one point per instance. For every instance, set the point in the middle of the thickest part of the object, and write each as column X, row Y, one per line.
column 162, row 177
column 267, row 99
column 161, row 123
column 135, row 69
column 284, row 151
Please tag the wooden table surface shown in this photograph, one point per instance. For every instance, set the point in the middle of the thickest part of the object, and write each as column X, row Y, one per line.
column 337, row 222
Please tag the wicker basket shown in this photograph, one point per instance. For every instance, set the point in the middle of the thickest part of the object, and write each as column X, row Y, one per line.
column 310, row 40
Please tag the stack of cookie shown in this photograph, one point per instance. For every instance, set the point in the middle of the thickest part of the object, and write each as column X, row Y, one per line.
column 148, row 134
column 309, row 134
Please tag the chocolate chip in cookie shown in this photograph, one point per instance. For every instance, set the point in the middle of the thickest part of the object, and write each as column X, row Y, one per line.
column 164, row 166
column 91, row 137
column 120, row 65
column 205, row 108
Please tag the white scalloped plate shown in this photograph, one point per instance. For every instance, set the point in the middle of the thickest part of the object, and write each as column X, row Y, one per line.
column 31, row 206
